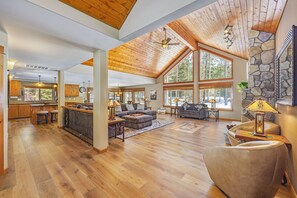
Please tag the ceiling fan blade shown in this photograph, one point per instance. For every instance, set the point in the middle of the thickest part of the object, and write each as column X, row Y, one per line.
column 173, row 43
column 168, row 40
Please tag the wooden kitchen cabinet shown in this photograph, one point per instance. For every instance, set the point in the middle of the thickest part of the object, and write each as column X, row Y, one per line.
column 71, row 90
column 24, row 111
column 14, row 88
column 13, row 111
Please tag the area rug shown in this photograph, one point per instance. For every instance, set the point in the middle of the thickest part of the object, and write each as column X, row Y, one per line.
column 129, row 132
column 188, row 127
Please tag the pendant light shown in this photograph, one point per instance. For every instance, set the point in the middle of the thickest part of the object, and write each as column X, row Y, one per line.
column 39, row 84
column 55, row 82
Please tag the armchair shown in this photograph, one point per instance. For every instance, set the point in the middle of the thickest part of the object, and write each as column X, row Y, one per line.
column 256, row 172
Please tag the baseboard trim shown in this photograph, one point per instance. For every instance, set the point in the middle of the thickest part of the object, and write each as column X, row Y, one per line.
column 291, row 186
column 100, row 150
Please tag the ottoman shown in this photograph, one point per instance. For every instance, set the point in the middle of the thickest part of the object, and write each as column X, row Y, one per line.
column 138, row 122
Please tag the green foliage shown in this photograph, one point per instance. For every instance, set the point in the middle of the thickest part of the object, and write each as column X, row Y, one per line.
column 242, row 85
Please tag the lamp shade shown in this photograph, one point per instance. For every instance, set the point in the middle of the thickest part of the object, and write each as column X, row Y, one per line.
column 261, row 106
column 113, row 103
column 176, row 100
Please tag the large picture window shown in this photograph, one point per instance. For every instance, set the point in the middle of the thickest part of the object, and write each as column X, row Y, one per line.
column 38, row 94
column 139, row 97
column 221, row 93
column 185, row 94
column 182, row 72
column 213, row 66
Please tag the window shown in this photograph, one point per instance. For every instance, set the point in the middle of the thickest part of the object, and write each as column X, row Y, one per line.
column 31, row 94
column 182, row 72
column 46, row 94
column 214, row 67
column 38, row 94
column 221, row 93
column 128, row 97
column 185, row 94
column 139, row 97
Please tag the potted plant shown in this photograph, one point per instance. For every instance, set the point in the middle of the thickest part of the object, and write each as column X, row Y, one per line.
column 242, row 86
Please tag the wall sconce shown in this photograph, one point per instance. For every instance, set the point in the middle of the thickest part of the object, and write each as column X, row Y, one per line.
column 229, row 35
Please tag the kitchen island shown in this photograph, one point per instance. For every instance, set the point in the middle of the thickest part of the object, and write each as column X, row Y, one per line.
column 41, row 107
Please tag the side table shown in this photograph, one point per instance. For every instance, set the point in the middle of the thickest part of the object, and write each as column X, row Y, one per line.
column 119, row 127
column 213, row 112
column 173, row 110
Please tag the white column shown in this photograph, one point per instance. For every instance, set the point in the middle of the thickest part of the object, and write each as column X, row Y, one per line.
column 100, row 91
column 196, row 73
column 61, row 98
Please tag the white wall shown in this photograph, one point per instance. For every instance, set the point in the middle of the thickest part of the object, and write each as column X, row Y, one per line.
column 4, row 42
column 239, row 74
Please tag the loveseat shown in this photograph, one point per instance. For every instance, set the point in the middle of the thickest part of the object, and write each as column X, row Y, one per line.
column 193, row 111
column 137, row 109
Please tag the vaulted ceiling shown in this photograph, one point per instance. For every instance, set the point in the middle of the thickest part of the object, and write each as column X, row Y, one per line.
column 207, row 25
column 113, row 13
column 142, row 56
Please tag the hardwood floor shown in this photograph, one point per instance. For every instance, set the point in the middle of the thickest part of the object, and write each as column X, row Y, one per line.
column 45, row 161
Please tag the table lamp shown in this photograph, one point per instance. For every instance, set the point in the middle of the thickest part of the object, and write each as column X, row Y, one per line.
column 213, row 103
column 260, row 107
column 112, row 104
column 176, row 100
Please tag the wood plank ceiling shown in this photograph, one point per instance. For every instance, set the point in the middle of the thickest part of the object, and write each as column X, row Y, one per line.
column 207, row 25
column 142, row 56
column 113, row 13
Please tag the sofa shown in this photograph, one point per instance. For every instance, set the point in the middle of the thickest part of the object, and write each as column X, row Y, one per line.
column 249, row 170
column 269, row 128
column 193, row 111
column 124, row 111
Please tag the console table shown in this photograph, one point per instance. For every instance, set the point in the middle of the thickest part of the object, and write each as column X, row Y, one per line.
column 173, row 110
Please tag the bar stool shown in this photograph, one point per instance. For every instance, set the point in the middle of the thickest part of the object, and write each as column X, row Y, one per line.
column 54, row 114
column 41, row 114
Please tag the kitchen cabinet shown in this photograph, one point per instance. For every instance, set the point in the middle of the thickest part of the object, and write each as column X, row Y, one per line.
column 71, row 90
column 24, row 111
column 15, row 88
column 13, row 111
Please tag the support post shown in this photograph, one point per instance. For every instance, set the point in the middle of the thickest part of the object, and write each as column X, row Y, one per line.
column 196, row 73
column 100, row 111
column 61, row 98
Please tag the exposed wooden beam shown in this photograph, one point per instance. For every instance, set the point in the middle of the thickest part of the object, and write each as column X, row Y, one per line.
column 182, row 35
column 88, row 62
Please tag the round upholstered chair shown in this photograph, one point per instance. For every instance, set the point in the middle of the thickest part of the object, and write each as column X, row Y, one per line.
column 249, row 170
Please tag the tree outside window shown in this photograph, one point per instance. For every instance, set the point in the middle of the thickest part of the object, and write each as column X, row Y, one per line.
column 183, row 95
column 222, row 96
column 182, row 72
column 38, row 94
column 213, row 67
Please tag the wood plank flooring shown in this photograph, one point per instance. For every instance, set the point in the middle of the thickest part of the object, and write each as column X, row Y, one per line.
column 45, row 161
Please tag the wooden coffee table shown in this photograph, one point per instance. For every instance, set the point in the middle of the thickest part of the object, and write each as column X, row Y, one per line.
column 248, row 136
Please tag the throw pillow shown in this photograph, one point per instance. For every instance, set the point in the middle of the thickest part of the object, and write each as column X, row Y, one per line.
column 185, row 105
column 130, row 107
column 140, row 107
column 198, row 107
column 118, row 109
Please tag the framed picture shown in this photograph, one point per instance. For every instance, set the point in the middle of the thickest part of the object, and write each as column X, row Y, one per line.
column 153, row 94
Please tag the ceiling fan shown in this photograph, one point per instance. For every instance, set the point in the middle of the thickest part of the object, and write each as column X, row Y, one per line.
column 165, row 43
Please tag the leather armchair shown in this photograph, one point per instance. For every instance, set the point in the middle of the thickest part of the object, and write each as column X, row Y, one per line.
column 249, row 170
column 269, row 128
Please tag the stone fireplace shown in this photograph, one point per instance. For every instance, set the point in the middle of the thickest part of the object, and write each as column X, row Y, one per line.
column 261, row 71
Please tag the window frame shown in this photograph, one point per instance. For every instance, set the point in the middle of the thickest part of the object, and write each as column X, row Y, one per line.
column 175, row 64
column 177, row 88
column 216, row 54
column 214, row 85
